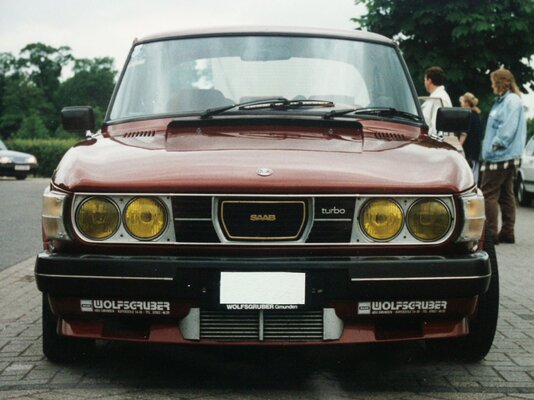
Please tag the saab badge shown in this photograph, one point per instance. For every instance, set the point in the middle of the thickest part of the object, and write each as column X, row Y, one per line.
column 264, row 171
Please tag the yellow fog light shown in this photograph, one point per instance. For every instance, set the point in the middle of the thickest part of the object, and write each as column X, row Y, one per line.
column 97, row 218
column 428, row 219
column 381, row 219
column 145, row 218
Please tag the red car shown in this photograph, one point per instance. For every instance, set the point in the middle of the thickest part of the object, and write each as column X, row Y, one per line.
column 265, row 187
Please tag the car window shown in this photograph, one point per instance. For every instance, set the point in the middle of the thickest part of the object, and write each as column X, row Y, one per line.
column 188, row 75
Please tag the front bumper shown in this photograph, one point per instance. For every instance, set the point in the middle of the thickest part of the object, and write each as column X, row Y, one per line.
column 13, row 169
column 327, row 278
column 177, row 299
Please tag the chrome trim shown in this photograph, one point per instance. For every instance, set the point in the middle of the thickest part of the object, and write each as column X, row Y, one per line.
column 357, row 239
column 332, row 220
column 332, row 325
column 304, row 220
column 308, row 223
column 137, row 278
column 192, row 219
column 430, row 278
column 355, row 195
column 404, row 237
column 190, row 324
column 122, row 236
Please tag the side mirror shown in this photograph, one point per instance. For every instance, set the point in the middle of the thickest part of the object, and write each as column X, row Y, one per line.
column 453, row 119
column 78, row 119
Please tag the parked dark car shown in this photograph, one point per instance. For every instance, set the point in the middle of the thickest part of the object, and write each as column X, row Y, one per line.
column 15, row 163
column 265, row 187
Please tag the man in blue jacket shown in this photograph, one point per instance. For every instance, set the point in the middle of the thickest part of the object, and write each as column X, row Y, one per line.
column 502, row 148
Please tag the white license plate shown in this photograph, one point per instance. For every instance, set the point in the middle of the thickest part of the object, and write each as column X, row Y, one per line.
column 22, row 167
column 269, row 288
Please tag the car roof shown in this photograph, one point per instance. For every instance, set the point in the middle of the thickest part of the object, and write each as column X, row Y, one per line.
column 267, row 30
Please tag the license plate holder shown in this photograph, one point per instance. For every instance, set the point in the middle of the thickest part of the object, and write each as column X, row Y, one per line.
column 262, row 290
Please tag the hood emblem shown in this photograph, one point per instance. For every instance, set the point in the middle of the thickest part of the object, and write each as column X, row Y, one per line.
column 264, row 171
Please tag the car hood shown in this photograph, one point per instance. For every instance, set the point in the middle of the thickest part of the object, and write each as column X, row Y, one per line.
column 226, row 160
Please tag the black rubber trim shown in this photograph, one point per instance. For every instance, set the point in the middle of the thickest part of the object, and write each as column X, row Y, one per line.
column 196, row 278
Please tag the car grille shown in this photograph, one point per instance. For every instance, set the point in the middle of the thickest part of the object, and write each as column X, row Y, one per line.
column 261, row 325
column 262, row 219
column 209, row 219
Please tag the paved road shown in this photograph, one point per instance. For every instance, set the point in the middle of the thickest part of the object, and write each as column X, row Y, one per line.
column 20, row 219
column 402, row 371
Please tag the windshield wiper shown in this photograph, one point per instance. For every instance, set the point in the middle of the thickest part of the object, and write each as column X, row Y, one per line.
column 380, row 111
column 275, row 103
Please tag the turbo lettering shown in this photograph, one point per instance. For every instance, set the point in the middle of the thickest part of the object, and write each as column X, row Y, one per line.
column 334, row 210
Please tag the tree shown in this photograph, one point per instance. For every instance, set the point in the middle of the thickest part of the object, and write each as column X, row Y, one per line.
column 32, row 93
column 43, row 64
column 7, row 62
column 469, row 39
column 20, row 99
column 32, row 127
column 91, row 85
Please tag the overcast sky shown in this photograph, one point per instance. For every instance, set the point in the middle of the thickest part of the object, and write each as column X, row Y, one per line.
column 99, row 28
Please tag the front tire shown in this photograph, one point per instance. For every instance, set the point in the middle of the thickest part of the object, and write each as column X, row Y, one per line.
column 57, row 348
column 477, row 344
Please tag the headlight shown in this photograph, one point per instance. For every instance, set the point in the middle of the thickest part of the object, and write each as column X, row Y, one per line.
column 5, row 160
column 145, row 218
column 474, row 217
column 381, row 219
column 31, row 160
column 97, row 218
column 428, row 219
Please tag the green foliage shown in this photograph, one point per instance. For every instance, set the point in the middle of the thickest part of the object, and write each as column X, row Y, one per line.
column 47, row 151
column 22, row 98
column 32, row 127
column 43, row 64
column 92, row 84
column 468, row 39
column 31, row 89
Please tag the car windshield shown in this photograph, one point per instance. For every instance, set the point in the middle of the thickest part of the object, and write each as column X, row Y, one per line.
column 2, row 146
column 174, row 77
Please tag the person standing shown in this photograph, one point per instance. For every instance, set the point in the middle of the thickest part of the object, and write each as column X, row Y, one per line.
column 502, row 148
column 471, row 140
column 434, row 84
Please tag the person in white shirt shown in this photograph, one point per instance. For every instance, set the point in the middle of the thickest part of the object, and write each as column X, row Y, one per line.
column 434, row 80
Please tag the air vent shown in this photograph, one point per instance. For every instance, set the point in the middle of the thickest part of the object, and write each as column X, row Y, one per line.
column 389, row 136
column 139, row 134
column 299, row 326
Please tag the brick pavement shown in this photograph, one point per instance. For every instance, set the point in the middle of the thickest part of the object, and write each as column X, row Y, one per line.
column 398, row 371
